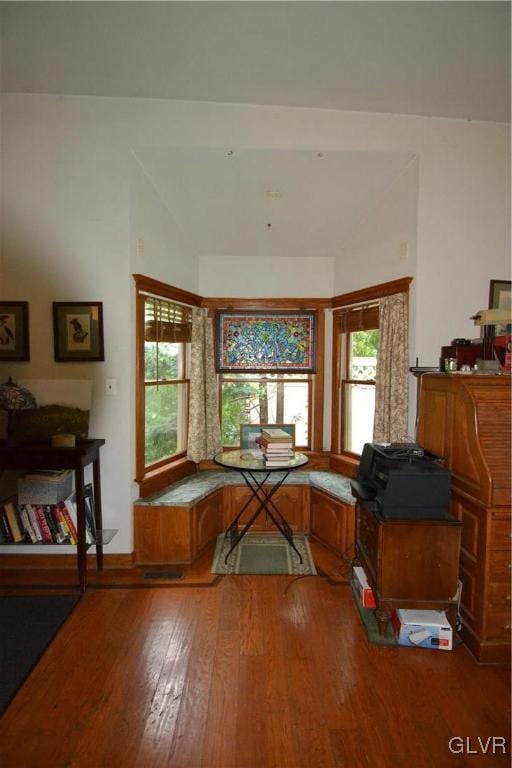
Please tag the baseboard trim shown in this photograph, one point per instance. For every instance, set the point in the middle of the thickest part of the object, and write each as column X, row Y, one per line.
column 64, row 562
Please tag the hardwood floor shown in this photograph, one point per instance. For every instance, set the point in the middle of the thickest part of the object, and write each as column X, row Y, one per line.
column 239, row 674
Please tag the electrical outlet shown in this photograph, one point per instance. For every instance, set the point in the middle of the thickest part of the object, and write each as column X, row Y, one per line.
column 111, row 386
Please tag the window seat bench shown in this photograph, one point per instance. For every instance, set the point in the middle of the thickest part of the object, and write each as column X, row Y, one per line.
column 176, row 524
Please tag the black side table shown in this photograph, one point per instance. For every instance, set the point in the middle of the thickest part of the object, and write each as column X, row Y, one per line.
column 29, row 455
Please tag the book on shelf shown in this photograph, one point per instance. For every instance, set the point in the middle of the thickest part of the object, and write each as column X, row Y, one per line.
column 64, row 516
column 90, row 521
column 27, row 524
column 4, row 527
column 90, row 526
column 34, row 520
column 43, row 524
column 14, row 524
column 59, row 534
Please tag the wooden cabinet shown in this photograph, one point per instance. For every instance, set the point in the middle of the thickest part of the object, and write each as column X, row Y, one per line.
column 164, row 534
column 332, row 522
column 409, row 563
column 291, row 500
column 467, row 420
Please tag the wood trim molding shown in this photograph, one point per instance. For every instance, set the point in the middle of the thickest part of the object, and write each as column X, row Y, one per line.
column 64, row 562
column 148, row 284
column 159, row 478
column 317, row 436
column 345, row 465
column 372, row 292
column 335, row 390
column 277, row 303
column 140, row 410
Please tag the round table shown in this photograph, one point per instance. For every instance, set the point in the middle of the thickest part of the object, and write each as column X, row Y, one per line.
column 253, row 469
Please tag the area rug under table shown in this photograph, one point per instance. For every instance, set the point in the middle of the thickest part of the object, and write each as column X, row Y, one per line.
column 261, row 553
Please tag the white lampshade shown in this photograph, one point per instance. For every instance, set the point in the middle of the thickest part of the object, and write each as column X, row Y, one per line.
column 493, row 317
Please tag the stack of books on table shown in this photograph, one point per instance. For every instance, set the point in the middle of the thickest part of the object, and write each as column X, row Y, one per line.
column 277, row 446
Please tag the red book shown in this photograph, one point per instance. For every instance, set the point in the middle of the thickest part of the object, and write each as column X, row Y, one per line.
column 62, row 511
column 43, row 525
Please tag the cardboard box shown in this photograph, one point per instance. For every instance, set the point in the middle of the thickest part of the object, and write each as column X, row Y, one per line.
column 40, row 491
column 364, row 590
column 423, row 629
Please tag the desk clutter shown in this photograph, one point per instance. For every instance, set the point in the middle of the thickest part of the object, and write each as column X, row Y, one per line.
column 412, row 628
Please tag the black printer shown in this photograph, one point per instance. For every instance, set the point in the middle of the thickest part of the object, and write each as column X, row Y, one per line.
column 403, row 481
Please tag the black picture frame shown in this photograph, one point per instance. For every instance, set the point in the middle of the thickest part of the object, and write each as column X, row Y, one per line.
column 500, row 298
column 78, row 331
column 14, row 331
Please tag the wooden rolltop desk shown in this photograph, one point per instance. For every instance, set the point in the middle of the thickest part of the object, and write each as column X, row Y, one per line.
column 467, row 420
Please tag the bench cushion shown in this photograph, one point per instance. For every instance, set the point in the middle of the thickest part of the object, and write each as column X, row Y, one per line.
column 333, row 483
column 194, row 488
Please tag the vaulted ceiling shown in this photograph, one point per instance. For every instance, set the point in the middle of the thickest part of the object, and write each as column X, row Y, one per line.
column 439, row 59
column 449, row 59
column 276, row 203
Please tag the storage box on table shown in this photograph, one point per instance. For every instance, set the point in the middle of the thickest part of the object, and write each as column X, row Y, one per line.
column 363, row 589
column 423, row 629
column 41, row 490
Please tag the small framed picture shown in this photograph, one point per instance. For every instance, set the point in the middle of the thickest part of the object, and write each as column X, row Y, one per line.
column 249, row 433
column 500, row 298
column 14, row 343
column 78, row 331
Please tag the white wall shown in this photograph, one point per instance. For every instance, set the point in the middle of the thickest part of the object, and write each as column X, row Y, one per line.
column 158, row 246
column 266, row 277
column 375, row 240
column 67, row 181
column 385, row 241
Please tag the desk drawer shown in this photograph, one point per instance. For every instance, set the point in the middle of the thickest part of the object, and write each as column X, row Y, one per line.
column 368, row 535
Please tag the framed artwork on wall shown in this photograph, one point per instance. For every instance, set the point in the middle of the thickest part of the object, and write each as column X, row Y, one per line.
column 78, row 331
column 14, row 340
column 249, row 433
column 266, row 341
column 500, row 293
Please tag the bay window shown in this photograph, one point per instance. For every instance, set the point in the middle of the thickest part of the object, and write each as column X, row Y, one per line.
column 163, row 359
column 265, row 398
column 356, row 333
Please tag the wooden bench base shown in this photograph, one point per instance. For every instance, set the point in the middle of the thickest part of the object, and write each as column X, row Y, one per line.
column 174, row 535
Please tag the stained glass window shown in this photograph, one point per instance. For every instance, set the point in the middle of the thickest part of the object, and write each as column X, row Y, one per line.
column 252, row 341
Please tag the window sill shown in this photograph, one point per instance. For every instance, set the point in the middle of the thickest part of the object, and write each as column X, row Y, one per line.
column 346, row 464
column 158, row 478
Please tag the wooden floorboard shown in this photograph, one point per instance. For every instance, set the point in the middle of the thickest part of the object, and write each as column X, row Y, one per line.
column 252, row 671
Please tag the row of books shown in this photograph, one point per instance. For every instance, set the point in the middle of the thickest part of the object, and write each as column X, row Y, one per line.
column 46, row 523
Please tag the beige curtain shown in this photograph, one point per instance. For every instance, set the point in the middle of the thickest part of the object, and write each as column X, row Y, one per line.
column 204, row 437
column 391, row 383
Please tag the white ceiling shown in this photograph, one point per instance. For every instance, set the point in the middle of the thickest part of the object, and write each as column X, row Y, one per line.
column 448, row 59
column 223, row 201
